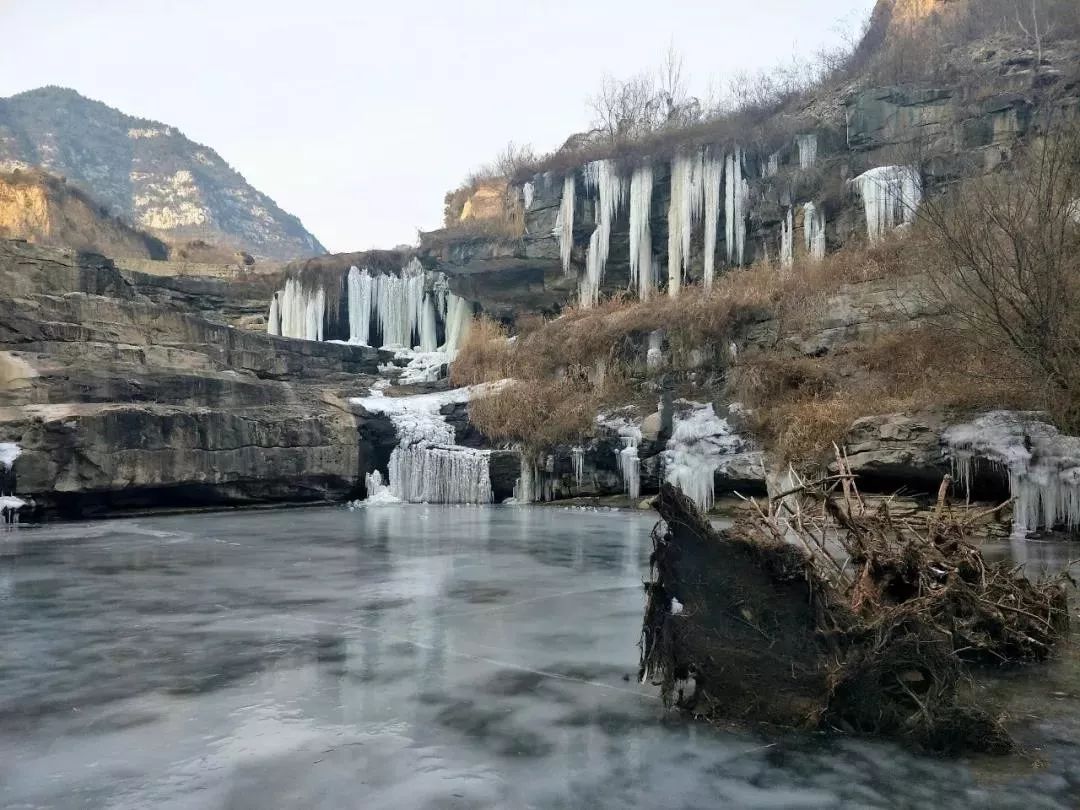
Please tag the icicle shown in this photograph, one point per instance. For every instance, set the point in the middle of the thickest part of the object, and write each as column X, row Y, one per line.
column 630, row 465
column 712, row 174
column 429, row 340
column 641, row 266
column 10, row 505
column 772, row 168
column 578, row 454
column 684, row 211
column 1043, row 466
column 399, row 304
column 459, row 317
column 808, row 146
column 891, row 197
column 814, row 231
column 787, row 241
column 564, row 224
column 530, row 486
column 601, row 178
column 273, row 320
column 360, row 304
column 528, row 192
column 737, row 197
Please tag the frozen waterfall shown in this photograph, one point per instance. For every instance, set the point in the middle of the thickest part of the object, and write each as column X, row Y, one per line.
column 641, row 259
column 564, row 224
column 683, row 212
column 603, row 180
column 814, row 231
column 702, row 444
column 787, row 241
column 427, row 466
column 302, row 311
column 712, row 178
column 1042, row 465
column 9, row 504
column 808, row 147
column 891, row 196
column 737, row 198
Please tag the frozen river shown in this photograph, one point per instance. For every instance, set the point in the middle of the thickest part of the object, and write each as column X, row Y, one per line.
column 407, row 657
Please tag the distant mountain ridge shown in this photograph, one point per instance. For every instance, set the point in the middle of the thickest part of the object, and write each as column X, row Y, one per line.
column 147, row 173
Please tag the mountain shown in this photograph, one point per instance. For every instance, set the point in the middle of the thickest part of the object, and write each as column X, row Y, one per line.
column 147, row 173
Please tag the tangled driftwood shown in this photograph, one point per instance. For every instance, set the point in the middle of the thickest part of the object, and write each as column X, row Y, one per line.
column 819, row 611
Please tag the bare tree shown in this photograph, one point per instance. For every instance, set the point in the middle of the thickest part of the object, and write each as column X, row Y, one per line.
column 1005, row 261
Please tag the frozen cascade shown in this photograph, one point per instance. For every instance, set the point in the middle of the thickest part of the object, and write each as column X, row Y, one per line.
column 528, row 192
column 814, row 231
column 630, row 464
column 9, row 504
column 302, row 311
column 891, row 197
column 808, row 146
column 361, row 302
column 273, row 320
column 712, row 178
column 532, row 486
column 378, row 492
column 399, row 304
column 1042, row 464
column 602, row 179
column 578, row 454
column 641, row 264
column 428, row 334
column 564, row 224
column 459, row 317
column 787, row 241
column 684, row 211
column 426, row 466
column 737, row 196
column 701, row 444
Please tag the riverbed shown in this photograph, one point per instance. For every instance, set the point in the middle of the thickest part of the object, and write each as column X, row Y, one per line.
column 413, row 657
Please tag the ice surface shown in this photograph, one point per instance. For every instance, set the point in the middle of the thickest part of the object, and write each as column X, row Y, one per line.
column 891, row 197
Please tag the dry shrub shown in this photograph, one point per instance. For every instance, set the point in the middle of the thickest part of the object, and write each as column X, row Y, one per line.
column 485, row 356
column 803, row 405
column 536, row 413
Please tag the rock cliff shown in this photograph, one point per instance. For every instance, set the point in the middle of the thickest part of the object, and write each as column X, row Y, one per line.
column 147, row 173
column 119, row 402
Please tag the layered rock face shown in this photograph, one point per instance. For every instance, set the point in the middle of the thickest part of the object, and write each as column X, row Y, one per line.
column 807, row 181
column 147, row 173
column 118, row 402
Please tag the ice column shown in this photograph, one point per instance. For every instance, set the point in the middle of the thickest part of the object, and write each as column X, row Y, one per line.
column 564, row 224
column 641, row 264
column 891, row 196
column 737, row 196
column 712, row 178
column 808, row 146
column 683, row 212
column 787, row 241
column 603, row 180
column 814, row 231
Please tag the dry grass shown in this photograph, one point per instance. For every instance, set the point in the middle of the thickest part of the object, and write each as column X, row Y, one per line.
column 570, row 367
column 802, row 405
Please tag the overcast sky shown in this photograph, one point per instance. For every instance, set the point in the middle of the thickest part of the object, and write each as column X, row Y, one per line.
column 359, row 116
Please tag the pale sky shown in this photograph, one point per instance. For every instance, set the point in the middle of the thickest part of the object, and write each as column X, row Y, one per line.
column 359, row 116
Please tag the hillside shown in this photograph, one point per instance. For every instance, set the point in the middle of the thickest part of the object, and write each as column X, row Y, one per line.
column 45, row 210
column 147, row 173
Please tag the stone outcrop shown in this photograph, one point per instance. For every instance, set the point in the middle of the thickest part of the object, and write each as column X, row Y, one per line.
column 119, row 402
column 146, row 172
column 45, row 210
